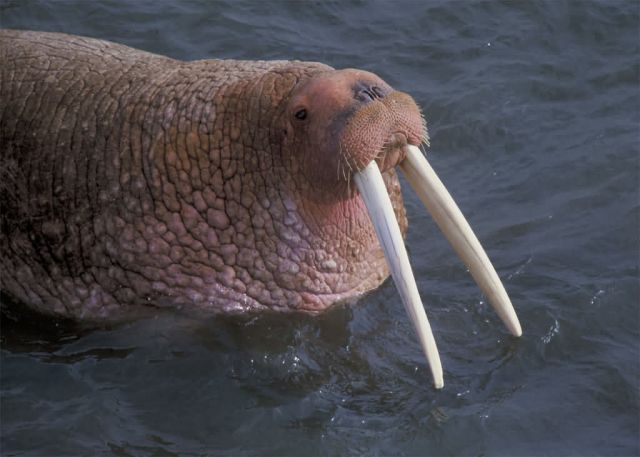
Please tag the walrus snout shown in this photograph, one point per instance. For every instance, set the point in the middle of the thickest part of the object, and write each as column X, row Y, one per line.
column 380, row 129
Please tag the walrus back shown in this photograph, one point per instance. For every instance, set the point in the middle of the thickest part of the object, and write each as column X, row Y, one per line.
column 60, row 97
column 69, row 107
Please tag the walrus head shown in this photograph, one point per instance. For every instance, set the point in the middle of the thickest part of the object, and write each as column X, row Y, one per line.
column 340, row 121
column 344, row 130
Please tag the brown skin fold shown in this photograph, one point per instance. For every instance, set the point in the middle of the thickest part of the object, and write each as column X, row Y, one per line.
column 130, row 179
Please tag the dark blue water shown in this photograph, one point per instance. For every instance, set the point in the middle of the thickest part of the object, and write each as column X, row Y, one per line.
column 534, row 115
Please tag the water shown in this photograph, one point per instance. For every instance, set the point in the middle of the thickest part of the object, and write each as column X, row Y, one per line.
column 533, row 109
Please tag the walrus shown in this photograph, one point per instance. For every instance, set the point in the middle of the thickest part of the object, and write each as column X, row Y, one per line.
column 131, row 179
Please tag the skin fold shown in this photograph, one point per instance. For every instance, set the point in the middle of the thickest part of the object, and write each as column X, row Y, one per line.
column 129, row 179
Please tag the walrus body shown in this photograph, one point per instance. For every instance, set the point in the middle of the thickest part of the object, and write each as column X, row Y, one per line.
column 129, row 178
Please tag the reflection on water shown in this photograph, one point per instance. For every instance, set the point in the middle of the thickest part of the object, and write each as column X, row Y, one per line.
column 533, row 110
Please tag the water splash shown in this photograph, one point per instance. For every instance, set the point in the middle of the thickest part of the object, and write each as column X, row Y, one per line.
column 596, row 298
column 520, row 269
column 553, row 330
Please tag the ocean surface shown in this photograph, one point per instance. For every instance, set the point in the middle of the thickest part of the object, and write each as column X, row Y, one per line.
column 534, row 115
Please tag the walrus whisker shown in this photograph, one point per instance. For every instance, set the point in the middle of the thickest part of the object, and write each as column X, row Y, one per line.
column 425, row 135
column 348, row 178
column 340, row 160
column 382, row 149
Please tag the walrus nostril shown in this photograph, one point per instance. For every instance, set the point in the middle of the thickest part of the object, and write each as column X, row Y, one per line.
column 364, row 92
column 365, row 95
column 377, row 91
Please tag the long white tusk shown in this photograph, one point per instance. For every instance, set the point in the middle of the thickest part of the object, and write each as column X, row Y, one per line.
column 371, row 186
column 447, row 215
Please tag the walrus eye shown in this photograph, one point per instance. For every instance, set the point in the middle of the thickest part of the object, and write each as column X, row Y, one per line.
column 301, row 114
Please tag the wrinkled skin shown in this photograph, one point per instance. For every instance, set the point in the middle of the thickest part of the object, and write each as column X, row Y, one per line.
column 131, row 179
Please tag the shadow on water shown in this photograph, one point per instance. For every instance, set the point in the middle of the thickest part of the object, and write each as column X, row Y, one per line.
column 24, row 330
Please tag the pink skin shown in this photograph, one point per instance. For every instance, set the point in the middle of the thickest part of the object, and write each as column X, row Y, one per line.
column 133, row 179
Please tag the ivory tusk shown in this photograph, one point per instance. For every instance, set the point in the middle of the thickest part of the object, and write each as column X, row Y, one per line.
column 374, row 193
column 447, row 215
